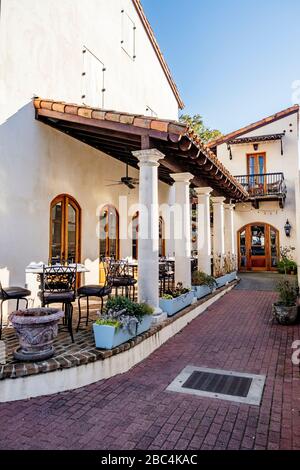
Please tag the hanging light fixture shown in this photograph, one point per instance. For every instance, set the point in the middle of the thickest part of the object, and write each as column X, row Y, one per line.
column 287, row 228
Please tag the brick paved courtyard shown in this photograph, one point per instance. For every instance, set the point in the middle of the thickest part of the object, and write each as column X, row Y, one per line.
column 135, row 411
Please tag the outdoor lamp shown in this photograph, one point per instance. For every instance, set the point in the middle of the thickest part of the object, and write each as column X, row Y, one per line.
column 287, row 228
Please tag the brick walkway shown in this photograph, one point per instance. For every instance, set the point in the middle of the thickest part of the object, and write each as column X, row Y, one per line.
column 135, row 411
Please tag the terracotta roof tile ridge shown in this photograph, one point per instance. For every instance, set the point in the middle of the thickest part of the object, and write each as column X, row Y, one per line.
column 255, row 125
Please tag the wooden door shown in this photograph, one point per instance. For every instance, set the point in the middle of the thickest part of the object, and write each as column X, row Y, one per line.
column 65, row 228
column 258, row 247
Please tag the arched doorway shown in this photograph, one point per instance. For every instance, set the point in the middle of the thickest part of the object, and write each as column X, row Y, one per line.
column 258, row 247
column 65, row 229
column 135, row 236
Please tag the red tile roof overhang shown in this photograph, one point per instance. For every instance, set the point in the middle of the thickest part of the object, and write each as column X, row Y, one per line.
column 119, row 134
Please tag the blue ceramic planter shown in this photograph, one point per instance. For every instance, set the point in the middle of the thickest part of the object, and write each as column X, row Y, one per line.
column 223, row 280
column 108, row 337
column 201, row 291
column 172, row 306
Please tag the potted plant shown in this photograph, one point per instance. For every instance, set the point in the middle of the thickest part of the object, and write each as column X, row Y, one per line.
column 122, row 320
column 286, row 264
column 36, row 329
column 202, row 284
column 175, row 300
column 285, row 309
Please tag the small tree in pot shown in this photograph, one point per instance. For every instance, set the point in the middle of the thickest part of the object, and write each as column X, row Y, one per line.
column 286, row 309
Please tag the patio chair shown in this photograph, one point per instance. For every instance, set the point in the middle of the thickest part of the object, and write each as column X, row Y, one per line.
column 59, row 286
column 119, row 277
column 12, row 293
column 166, row 276
column 93, row 291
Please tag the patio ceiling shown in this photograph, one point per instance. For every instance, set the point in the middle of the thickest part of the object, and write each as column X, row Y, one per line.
column 118, row 134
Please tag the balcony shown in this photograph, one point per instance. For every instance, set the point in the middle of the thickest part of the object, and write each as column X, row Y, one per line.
column 264, row 187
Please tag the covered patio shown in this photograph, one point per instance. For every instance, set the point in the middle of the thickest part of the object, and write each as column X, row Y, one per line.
column 163, row 151
column 170, row 152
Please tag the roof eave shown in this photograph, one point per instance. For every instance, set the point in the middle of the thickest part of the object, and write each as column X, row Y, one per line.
column 158, row 52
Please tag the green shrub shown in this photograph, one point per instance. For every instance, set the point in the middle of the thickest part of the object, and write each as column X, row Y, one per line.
column 202, row 279
column 108, row 322
column 288, row 292
column 173, row 293
column 128, row 307
column 286, row 266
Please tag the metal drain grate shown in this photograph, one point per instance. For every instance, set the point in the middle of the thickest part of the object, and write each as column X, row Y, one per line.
column 219, row 383
column 222, row 384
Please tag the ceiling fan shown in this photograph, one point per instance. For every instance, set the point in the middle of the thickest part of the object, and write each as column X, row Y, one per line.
column 127, row 180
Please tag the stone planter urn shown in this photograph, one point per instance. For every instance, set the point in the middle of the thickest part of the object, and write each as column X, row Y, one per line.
column 285, row 315
column 36, row 329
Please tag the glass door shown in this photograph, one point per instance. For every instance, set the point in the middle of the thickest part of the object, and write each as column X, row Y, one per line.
column 256, row 169
column 258, row 247
column 64, row 231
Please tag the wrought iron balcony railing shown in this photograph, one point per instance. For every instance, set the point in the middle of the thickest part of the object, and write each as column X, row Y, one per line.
column 266, row 184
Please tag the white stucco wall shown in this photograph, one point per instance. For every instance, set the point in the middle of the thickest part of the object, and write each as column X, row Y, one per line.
column 41, row 45
column 288, row 163
column 41, row 54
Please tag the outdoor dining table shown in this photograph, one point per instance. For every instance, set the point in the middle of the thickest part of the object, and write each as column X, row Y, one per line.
column 39, row 268
column 34, row 278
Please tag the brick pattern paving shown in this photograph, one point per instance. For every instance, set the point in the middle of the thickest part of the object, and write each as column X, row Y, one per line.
column 83, row 350
column 133, row 411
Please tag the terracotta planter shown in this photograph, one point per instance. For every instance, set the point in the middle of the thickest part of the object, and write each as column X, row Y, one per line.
column 36, row 329
column 285, row 315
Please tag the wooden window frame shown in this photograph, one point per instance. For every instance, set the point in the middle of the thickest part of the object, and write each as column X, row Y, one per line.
column 161, row 221
column 108, row 207
column 256, row 154
column 66, row 199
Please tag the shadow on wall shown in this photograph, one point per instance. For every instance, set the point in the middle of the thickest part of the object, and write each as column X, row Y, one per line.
column 21, row 178
column 4, row 279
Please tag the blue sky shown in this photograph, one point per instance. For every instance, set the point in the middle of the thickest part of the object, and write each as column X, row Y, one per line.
column 234, row 61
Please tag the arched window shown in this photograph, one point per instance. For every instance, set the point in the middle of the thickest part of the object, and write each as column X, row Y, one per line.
column 135, row 236
column 65, row 229
column 109, row 232
column 162, row 241
column 135, row 242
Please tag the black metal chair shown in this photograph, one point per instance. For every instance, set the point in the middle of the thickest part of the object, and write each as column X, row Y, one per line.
column 12, row 293
column 166, row 276
column 59, row 286
column 93, row 290
column 119, row 277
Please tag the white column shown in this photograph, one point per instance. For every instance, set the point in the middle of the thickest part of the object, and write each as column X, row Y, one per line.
column 182, row 228
column 203, row 229
column 170, row 241
column 148, row 283
column 229, row 229
column 218, row 233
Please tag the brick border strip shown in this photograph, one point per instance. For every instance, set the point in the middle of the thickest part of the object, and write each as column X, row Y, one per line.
column 81, row 369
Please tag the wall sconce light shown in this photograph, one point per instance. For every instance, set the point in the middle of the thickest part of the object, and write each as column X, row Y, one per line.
column 255, row 146
column 287, row 228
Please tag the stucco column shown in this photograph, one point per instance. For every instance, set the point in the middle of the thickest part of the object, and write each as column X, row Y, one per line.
column 171, row 241
column 148, row 282
column 219, row 234
column 229, row 229
column 182, row 228
column 203, row 229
